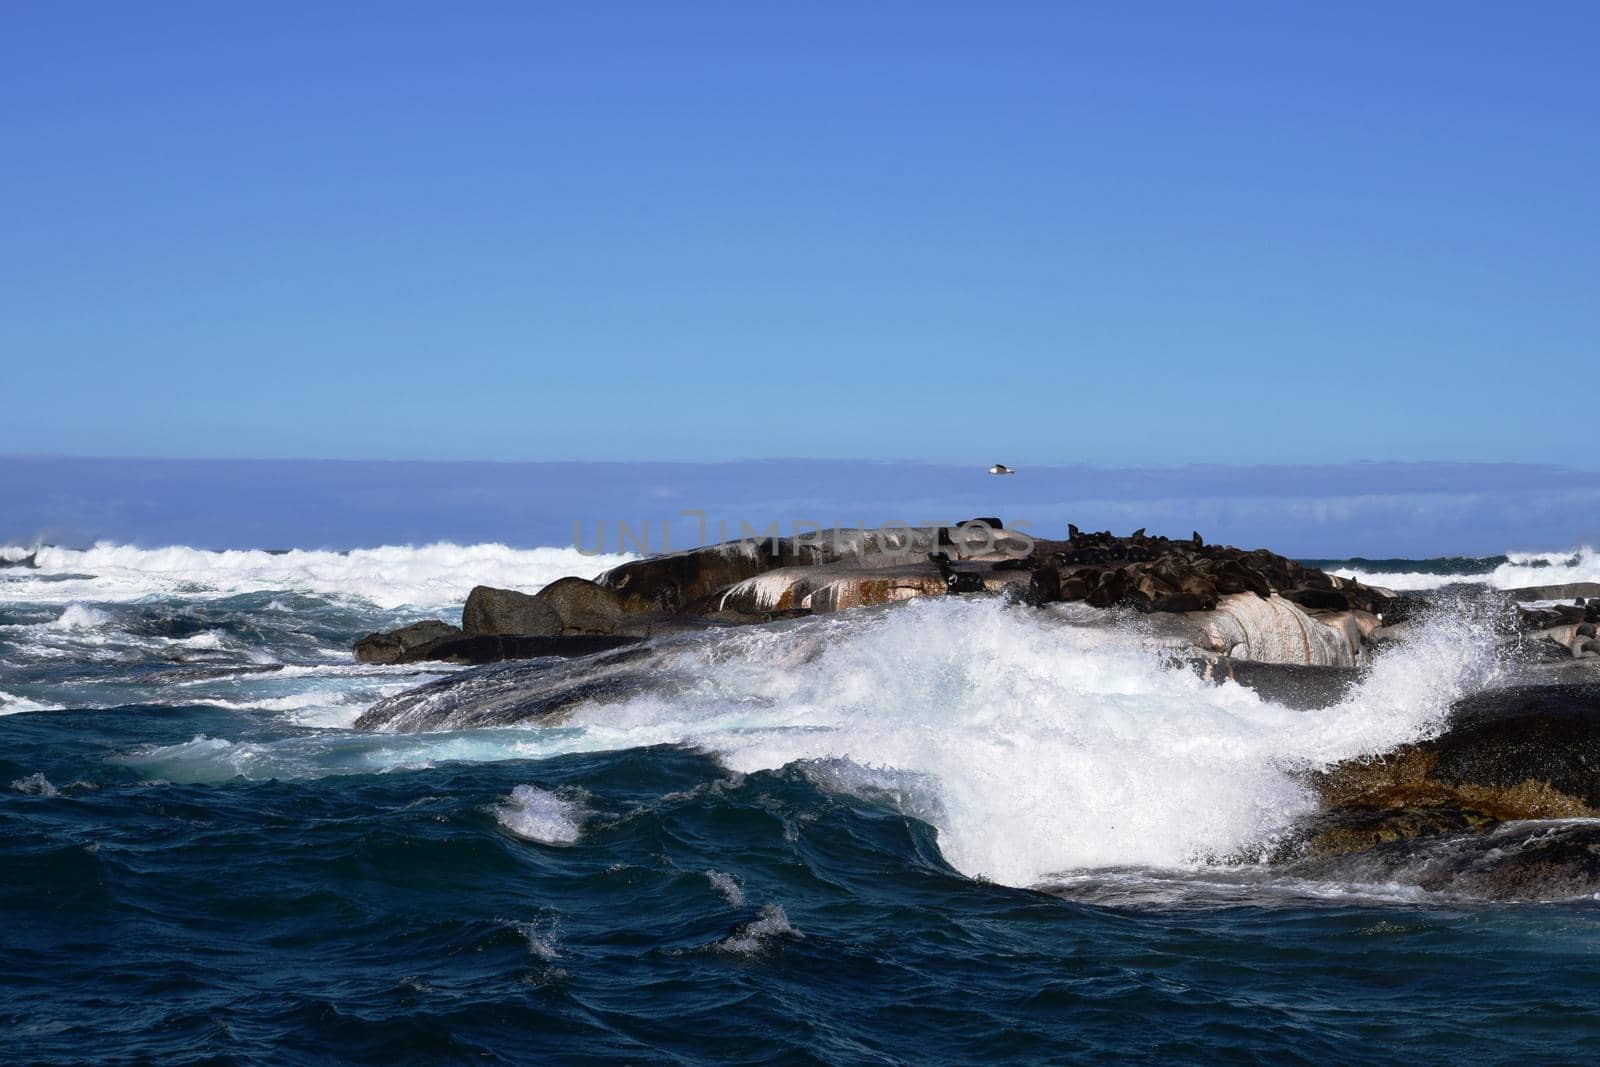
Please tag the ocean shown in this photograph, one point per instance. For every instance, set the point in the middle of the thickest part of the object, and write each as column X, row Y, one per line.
column 954, row 835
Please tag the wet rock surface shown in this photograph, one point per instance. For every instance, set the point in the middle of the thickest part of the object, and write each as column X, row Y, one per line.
column 1546, row 860
column 1505, row 755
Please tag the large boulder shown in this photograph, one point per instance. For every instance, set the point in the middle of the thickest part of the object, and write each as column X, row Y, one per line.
column 493, row 611
column 678, row 580
column 583, row 606
column 397, row 645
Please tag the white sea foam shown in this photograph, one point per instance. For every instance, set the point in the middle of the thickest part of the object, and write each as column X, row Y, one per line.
column 13, row 705
column 35, row 785
column 725, row 884
column 543, row 935
column 535, row 814
column 757, row 937
column 1521, row 569
column 80, row 617
column 427, row 577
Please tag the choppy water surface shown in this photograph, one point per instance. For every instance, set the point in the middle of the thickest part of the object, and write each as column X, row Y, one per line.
column 956, row 833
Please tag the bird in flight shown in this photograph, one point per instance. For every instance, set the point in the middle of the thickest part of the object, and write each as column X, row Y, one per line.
column 1001, row 468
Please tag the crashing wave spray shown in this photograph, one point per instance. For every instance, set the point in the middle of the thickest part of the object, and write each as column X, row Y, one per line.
column 1032, row 747
column 1045, row 749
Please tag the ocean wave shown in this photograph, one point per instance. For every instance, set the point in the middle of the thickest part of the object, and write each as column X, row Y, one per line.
column 757, row 938
column 1520, row 570
column 36, row 785
column 428, row 577
column 1043, row 749
column 727, row 885
column 80, row 617
column 11, row 704
column 1032, row 748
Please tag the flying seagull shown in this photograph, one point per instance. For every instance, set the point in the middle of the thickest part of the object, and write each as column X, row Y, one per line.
column 1001, row 468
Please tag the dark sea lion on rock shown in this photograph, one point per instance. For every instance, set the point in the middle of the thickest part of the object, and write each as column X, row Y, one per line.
column 1155, row 574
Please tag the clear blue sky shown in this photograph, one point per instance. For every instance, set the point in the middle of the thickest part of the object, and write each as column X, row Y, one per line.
column 1142, row 234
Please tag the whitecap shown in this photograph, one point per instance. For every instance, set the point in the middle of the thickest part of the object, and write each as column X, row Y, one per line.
column 726, row 885
column 535, row 814
column 756, row 938
column 80, row 617
column 11, row 704
column 35, row 785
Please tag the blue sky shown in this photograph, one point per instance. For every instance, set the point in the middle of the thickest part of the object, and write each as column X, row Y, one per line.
column 1147, row 234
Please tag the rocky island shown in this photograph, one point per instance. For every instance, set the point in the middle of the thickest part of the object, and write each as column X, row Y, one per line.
column 1498, row 799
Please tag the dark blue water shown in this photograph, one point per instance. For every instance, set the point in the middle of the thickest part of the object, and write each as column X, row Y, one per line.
column 391, row 917
column 200, row 862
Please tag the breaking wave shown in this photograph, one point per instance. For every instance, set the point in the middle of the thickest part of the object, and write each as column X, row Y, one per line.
column 1517, row 571
column 427, row 577
column 1033, row 748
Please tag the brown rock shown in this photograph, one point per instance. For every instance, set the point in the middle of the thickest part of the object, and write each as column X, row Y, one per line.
column 506, row 611
column 583, row 606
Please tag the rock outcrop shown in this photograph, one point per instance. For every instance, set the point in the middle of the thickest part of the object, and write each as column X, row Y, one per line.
column 1223, row 601
column 830, row 587
column 397, row 645
column 1568, row 591
column 1536, row 860
column 493, row 611
column 695, row 580
column 1506, row 755
column 434, row 641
